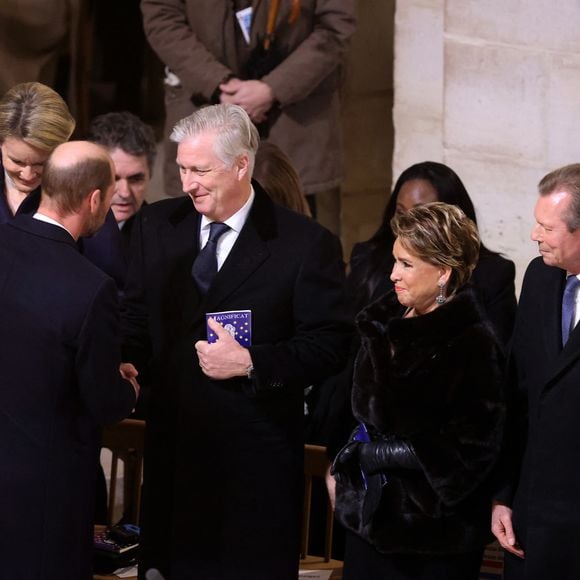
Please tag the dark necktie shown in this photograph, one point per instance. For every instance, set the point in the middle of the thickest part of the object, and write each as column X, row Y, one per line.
column 569, row 307
column 205, row 265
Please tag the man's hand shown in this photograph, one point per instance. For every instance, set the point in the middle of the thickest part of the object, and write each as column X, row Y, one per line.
column 225, row 358
column 130, row 373
column 255, row 97
column 502, row 529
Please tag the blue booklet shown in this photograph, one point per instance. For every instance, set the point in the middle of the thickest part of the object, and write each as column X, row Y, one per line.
column 363, row 436
column 237, row 322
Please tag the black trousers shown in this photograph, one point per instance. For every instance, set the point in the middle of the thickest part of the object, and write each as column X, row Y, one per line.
column 363, row 562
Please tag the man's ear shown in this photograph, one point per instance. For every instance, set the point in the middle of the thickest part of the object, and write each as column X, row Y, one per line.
column 242, row 165
column 95, row 201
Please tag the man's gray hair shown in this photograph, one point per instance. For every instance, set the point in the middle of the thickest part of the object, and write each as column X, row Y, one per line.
column 235, row 132
column 567, row 179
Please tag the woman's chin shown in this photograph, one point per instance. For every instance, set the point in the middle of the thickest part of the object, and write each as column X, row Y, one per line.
column 25, row 188
column 403, row 301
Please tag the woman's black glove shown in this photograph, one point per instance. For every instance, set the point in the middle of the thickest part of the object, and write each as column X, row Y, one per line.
column 376, row 456
column 360, row 464
column 348, row 471
column 346, row 461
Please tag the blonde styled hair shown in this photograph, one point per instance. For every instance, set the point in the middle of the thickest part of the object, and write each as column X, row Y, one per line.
column 36, row 114
column 442, row 235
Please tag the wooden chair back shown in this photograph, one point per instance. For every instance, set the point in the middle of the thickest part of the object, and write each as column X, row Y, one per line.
column 316, row 464
column 126, row 441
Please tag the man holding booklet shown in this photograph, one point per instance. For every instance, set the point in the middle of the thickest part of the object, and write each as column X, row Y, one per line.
column 235, row 304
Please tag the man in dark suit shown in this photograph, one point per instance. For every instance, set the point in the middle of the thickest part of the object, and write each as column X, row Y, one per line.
column 536, row 517
column 224, row 461
column 132, row 147
column 59, row 370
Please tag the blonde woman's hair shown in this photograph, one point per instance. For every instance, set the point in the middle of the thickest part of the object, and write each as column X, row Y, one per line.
column 36, row 114
column 442, row 235
column 276, row 174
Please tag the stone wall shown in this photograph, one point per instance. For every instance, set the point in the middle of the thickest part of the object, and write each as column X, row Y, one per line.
column 367, row 122
column 493, row 90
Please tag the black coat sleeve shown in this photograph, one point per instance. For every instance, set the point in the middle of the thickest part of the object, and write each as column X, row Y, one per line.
column 494, row 283
column 135, row 319
column 105, row 395
column 320, row 343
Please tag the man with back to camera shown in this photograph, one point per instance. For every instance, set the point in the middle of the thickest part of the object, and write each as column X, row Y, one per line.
column 224, row 445
column 536, row 517
column 59, row 370
column 131, row 145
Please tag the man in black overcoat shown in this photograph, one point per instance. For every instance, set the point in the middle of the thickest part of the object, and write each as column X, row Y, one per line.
column 131, row 144
column 59, row 371
column 224, row 461
column 536, row 516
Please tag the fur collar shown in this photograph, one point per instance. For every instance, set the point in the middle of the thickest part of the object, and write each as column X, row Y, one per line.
column 385, row 316
column 407, row 369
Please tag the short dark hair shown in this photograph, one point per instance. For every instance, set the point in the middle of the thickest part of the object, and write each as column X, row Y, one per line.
column 125, row 131
column 566, row 179
column 69, row 185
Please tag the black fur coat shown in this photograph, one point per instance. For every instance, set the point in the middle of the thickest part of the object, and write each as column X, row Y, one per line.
column 434, row 381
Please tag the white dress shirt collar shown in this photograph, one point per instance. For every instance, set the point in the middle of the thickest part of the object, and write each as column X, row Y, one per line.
column 228, row 239
column 44, row 218
column 576, row 304
column 236, row 222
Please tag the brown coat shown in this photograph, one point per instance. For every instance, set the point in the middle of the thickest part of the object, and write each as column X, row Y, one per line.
column 197, row 40
column 33, row 39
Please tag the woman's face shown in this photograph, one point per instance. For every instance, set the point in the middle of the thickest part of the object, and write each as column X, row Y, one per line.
column 23, row 163
column 415, row 192
column 416, row 281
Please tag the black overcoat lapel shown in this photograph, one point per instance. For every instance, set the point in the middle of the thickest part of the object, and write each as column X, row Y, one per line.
column 179, row 241
column 565, row 357
column 552, row 323
column 248, row 253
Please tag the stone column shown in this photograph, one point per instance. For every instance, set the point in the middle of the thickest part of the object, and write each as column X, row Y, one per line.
column 492, row 89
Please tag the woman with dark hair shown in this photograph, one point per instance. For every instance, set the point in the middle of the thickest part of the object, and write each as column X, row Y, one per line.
column 413, row 484
column 371, row 261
